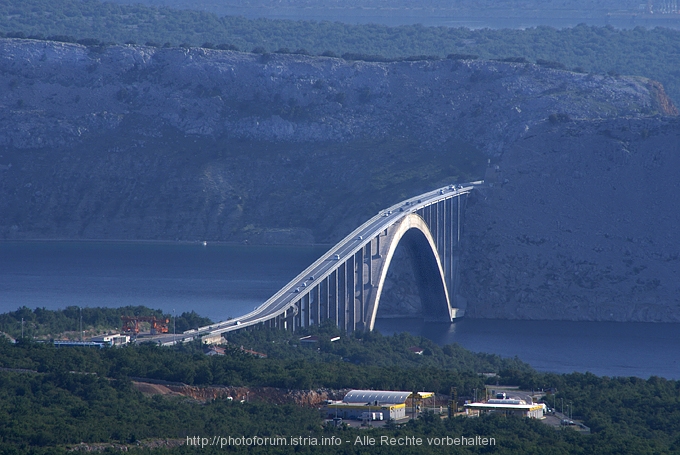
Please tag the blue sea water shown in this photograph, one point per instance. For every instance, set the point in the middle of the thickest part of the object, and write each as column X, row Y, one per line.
column 219, row 281
column 602, row 348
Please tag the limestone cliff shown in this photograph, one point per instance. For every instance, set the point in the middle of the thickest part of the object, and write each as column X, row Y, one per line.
column 58, row 94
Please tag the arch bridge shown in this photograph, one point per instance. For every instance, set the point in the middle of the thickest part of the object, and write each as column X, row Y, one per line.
column 345, row 284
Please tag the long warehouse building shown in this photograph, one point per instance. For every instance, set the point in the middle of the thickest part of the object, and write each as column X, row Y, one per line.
column 379, row 404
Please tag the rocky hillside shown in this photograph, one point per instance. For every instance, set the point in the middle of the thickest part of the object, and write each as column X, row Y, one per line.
column 581, row 225
column 585, row 227
column 60, row 94
column 130, row 142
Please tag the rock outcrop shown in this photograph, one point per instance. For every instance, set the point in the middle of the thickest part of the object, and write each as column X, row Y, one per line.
column 307, row 398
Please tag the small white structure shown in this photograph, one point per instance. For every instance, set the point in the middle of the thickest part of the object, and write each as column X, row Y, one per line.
column 312, row 339
column 215, row 350
column 112, row 340
column 215, row 338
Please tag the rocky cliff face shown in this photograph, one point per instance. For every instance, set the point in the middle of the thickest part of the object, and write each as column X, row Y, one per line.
column 58, row 94
column 130, row 142
column 585, row 227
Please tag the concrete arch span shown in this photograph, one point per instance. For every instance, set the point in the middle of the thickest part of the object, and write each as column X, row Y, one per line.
column 413, row 233
column 345, row 285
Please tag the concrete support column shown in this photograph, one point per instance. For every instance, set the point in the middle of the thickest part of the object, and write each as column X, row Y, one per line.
column 368, row 279
column 314, row 306
column 450, row 236
column 324, row 307
column 305, row 311
column 458, row 224
column 333, row 301
column 350, row 307
column 359, row 288
column 297, row 316
column 342, row 297
column 286, row 320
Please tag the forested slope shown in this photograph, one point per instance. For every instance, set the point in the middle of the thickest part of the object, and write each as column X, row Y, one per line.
column 66, row 398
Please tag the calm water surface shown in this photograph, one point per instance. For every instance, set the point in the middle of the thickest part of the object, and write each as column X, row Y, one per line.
column 219, row 281
column 603, row 348
column 444, row 18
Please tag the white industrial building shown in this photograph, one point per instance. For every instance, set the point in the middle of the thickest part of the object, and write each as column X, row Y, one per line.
column 507, row 406
column 372, row 404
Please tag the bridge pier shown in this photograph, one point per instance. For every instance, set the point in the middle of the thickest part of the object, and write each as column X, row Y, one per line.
column 332, row 304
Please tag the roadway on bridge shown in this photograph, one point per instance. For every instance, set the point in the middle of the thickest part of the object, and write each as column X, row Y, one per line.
column 327, row 263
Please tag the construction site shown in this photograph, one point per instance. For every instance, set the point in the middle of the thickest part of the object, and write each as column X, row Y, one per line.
column 142, row 325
